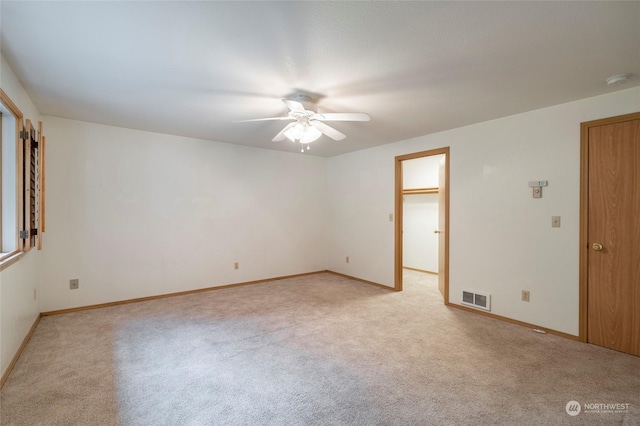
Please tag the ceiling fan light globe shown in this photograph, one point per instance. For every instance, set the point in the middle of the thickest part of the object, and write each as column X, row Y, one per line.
column 311, row 134
column 295, row 133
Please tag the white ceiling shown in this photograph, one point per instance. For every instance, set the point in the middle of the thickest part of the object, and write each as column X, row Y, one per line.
column 192, row 68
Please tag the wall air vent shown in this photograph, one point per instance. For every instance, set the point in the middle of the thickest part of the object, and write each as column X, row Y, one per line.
column 476, row 300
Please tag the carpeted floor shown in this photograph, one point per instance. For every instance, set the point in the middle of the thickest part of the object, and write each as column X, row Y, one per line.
column 313, row 350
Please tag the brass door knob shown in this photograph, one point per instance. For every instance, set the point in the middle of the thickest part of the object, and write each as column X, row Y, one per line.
column 597, row 246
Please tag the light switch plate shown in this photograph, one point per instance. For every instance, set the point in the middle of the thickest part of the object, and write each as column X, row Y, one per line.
column 555, row 221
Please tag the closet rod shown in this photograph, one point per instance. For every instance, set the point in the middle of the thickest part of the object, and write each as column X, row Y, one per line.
column 419, row 191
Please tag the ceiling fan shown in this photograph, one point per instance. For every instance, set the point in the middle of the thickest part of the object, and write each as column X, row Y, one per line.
column 307, row 123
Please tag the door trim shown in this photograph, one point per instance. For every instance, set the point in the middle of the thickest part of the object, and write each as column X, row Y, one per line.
column 584, row 214
column 399, row 216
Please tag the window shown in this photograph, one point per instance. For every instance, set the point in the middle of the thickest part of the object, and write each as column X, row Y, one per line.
column 21, row 181
column 11, row 198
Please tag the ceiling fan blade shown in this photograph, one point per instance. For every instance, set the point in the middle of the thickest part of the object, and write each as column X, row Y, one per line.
column 280, row 136
column 328, row 130
column 263, row 119
column 294, row 106
column 343, row 116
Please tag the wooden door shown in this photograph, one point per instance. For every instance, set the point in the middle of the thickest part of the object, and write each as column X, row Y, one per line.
column 442, row 218
column 613, row 233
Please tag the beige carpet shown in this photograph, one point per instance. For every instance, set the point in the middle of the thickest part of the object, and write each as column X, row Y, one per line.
column 320, row 349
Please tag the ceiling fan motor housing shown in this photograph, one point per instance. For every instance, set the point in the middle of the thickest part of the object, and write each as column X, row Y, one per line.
column 307, row 103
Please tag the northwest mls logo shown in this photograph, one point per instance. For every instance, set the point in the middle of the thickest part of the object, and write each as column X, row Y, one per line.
column 573, row 408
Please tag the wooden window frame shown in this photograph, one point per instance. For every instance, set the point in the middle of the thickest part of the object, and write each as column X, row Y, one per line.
column 29, row 181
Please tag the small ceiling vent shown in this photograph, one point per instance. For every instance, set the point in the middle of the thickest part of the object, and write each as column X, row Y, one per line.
column 476, row 300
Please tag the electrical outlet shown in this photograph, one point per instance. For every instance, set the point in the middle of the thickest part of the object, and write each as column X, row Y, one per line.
column 347, row 259
column 74, row 284
column 236, row 265
column 390, row 217
column 525, row 296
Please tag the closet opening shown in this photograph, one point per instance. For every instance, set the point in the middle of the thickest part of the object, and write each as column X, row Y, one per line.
column 422, row 218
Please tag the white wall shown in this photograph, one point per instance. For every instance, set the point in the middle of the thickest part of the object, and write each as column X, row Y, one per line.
column 18, row 308
column 423, row 172
column 420, row 214
column 419, row 242
column 501, row 238
column 134, row 214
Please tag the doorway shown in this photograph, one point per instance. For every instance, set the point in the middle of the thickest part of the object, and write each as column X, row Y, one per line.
column 443, row 220
column 610, row 233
